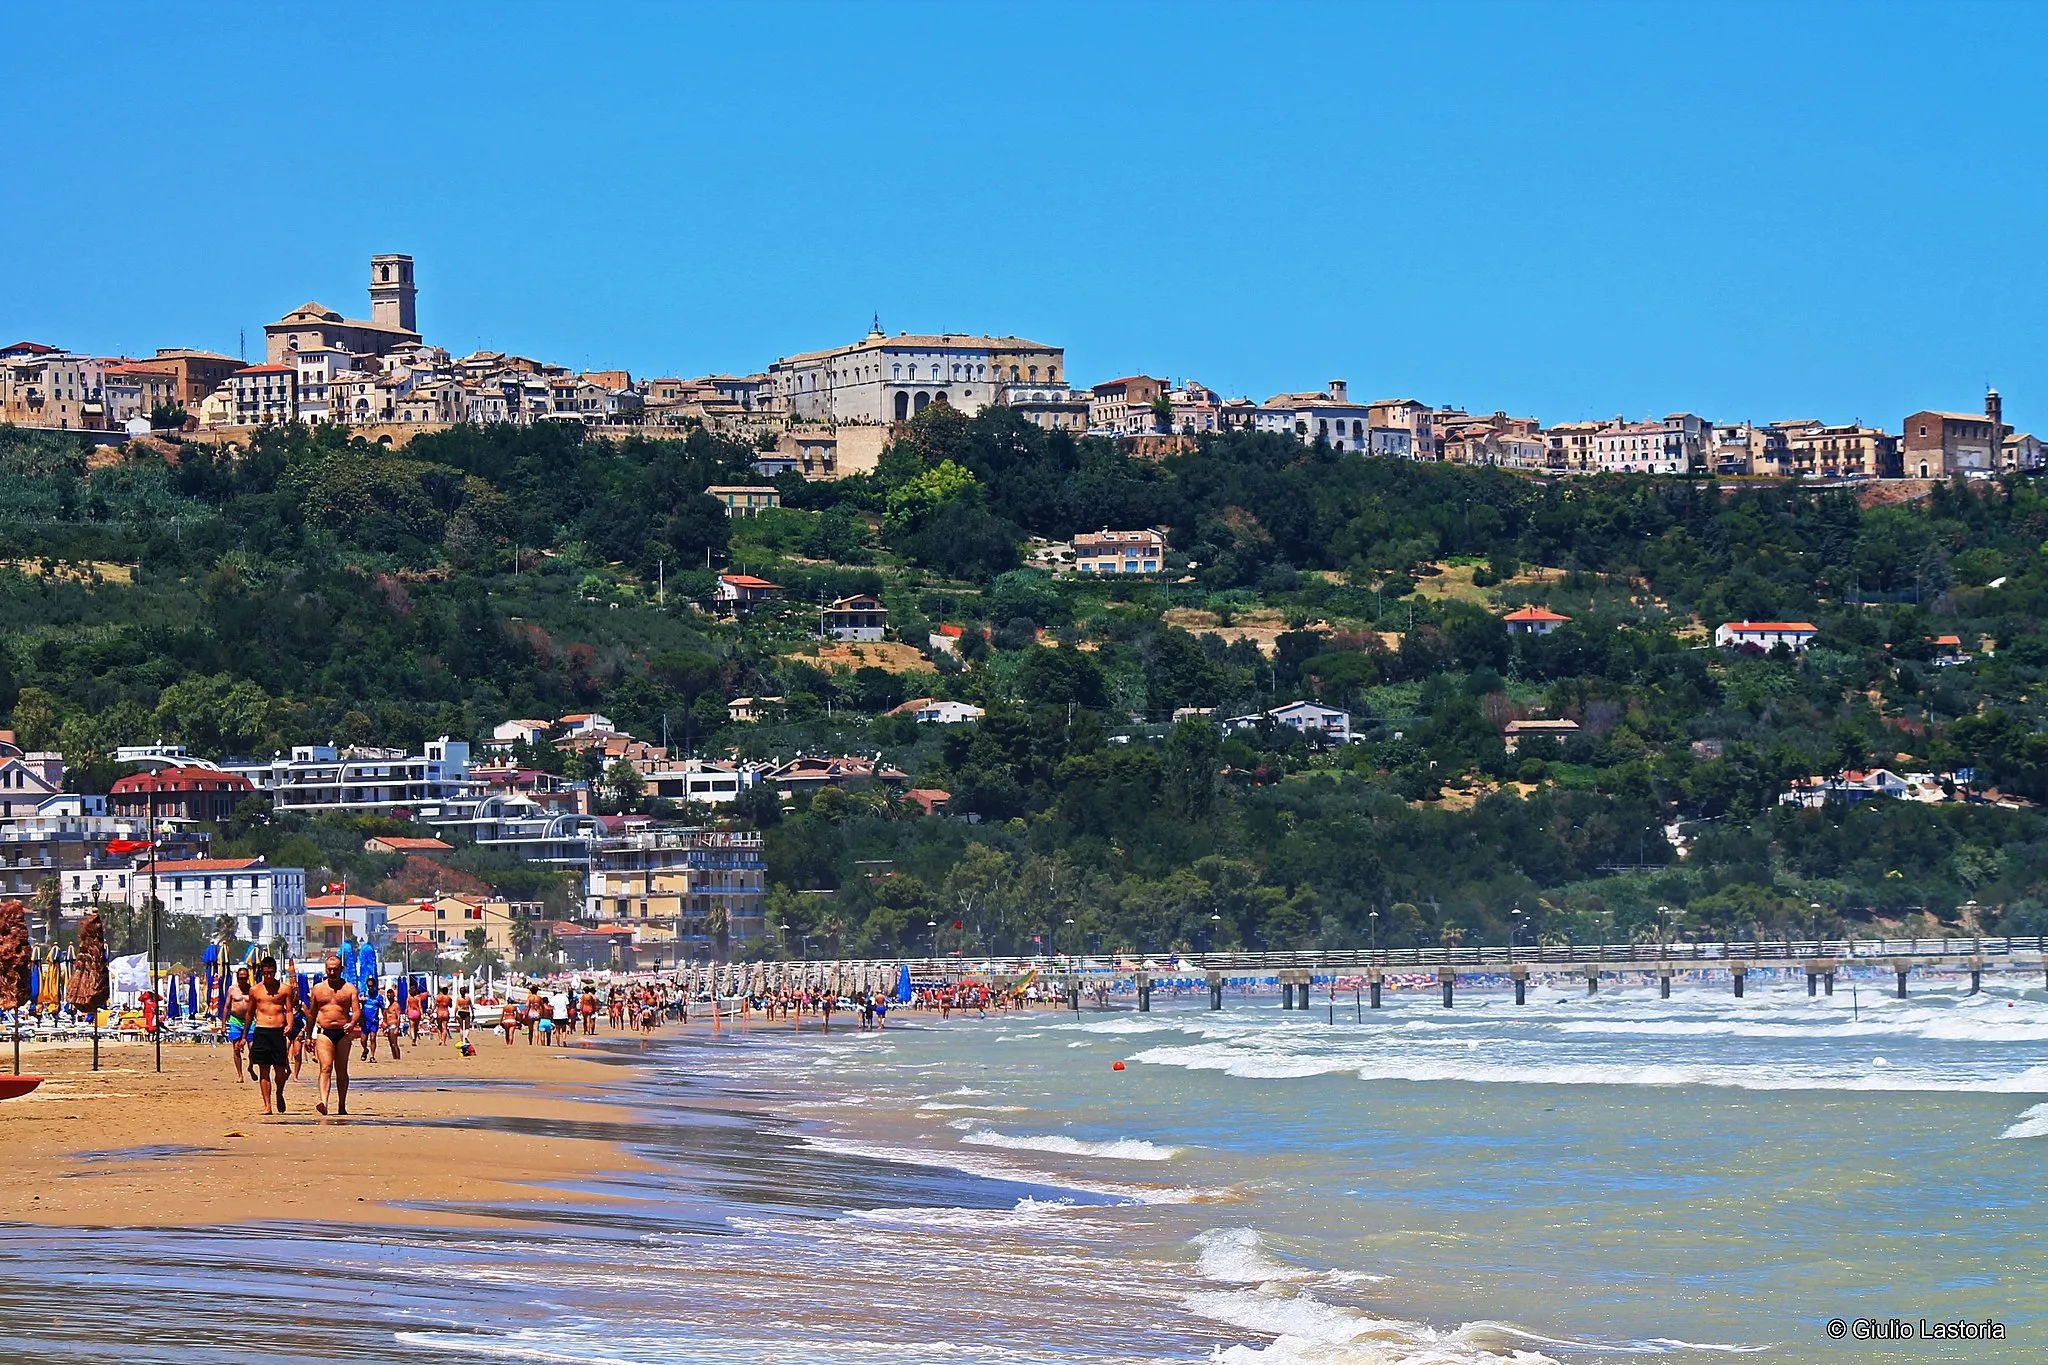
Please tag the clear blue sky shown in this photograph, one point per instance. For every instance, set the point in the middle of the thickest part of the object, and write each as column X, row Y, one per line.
column 1767, row 211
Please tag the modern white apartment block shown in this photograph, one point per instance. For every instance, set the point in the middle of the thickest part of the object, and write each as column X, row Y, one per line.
column 319, row 777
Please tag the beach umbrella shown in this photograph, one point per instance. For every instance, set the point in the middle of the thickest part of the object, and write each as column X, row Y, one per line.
column 16, row 957
column 171, row 1010
column 348, row 962
column 903, row 984
column 367, row 963
column 89, row 984
column 192, row 996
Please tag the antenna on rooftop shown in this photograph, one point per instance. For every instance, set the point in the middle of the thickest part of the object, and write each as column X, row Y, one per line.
column 242, row 344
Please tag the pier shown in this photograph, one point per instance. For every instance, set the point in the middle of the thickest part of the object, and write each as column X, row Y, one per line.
column 1364, row 975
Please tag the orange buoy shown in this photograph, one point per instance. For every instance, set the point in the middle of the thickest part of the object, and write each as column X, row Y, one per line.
column 1116, row 1066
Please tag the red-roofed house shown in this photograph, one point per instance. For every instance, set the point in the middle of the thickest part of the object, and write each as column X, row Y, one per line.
column 393, row 843
column 930, row 800
column 1765, row 635
column 1533, row 621
column 742, row 589
column 181, row 793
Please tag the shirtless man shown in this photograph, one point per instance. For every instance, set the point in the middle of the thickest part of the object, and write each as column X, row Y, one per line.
column 271, row 1002
column 238, row 1020
column 337, row 1013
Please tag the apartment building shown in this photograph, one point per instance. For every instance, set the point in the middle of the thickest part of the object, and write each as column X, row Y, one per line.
column 1572, row 447
column 1819, row 451
column 448, row 921
column 134, row 389
column 1676, row 445
column 673, row 886
column 268, row 904
column 41, row 386
column 320, row 777
column 180, row 793
column 265, row 395
column 1415, row 421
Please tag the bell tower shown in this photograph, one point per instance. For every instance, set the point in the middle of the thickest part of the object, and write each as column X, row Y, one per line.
column 392, row 292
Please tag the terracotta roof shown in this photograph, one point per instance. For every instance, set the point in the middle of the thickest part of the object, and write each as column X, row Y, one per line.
column 339, row 902
column 267, row 369
column 181, row 779
column 404, row 845
column 1534, row 614
column 210, row 865
column 1779, row 626
column 746, row 580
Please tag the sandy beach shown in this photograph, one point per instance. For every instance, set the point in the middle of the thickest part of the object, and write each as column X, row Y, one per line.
column 128, row 1147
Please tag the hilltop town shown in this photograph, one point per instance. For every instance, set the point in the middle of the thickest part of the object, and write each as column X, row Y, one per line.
column 919, row 644
column 827, row 412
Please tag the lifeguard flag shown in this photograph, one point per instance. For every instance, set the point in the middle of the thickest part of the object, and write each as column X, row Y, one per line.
column 127, row 845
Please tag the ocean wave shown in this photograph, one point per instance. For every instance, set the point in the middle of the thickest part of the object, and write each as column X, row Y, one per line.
column 2033, row 1123
column 939, row 1106
column 1028, row 1213
column 1307, row 1331
column 994, row 1168
column 1248, row 1065
column 1118, row 1149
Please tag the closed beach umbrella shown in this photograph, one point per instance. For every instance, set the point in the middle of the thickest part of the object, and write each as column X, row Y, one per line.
column 16, row 959
column 903, row 983
column 89, row 984
column 192, row 996
column 348, row 962
column 367, row 963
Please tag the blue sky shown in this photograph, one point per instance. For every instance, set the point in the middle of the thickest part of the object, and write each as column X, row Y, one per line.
column 1565, row 210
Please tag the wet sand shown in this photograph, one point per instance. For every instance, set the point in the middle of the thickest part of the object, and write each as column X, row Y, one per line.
column 128, row 1147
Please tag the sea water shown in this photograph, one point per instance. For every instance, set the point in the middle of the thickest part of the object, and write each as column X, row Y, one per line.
column 1577, row 1179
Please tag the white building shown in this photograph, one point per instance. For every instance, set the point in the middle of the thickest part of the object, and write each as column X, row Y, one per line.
column 707, row 781
column 268, row 903
column 947, row 713
column 891, row 379
column 318, row 777
column 1310, row 718
column 1056, row 407
column 264, row 395
column 1765, row 635
column 1310, row 417
column 320, row 372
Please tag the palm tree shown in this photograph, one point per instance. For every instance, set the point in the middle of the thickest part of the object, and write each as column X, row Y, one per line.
column 720, row 925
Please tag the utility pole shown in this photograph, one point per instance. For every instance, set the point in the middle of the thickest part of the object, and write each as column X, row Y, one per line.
column 660, row 581
column 155, row 989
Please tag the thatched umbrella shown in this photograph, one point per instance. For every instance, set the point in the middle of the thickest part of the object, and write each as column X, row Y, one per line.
column 89, row 986
column 17, row 962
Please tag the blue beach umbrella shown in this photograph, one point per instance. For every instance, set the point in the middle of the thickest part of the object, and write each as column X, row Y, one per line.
column 348, row 961
column 903, row 984
column 367, row 964
column 192, row 995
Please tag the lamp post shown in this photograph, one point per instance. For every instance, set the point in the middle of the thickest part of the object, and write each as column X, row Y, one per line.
column 1069, row 921
column 1372, row 929
column 932, row 937
column 1516, row 921
column 1215, row 921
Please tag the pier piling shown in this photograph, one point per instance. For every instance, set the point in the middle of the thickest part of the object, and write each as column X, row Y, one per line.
column 1448, row 979
column 1372, row 985
column 1215, row 990
column 1520, row 975
column 1740, row 971
column 1901, row 966
column 1592, row 980
column 1664, row 982
column 1144, row 994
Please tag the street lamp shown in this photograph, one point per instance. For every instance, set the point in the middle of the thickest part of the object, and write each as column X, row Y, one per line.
column 1516, row 922
column 1372, row 928
column 932, row 937
column 1070, row 920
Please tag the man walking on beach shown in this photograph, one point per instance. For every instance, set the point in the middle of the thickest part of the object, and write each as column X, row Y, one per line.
column 238, row 1020
column 271, row 1003
column 337, row 1013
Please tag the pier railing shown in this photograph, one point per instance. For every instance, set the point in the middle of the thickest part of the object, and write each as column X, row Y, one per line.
column 1789, row 951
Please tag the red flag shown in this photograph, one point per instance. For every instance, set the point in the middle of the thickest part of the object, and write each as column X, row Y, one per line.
column 127, row 845
column 956, row 924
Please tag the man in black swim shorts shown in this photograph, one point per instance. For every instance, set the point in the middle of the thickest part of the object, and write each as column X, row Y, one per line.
column 337, row 1013
column 271, row 1006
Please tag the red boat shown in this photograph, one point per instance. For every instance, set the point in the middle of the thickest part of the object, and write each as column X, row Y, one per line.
column 13, row 1087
